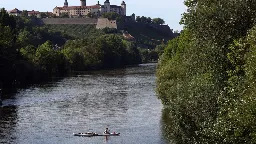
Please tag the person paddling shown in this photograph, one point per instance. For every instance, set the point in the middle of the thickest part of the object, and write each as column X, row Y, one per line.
column 106, row 131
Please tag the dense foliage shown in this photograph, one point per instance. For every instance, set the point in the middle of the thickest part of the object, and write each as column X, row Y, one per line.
column 104, row 52
column 113, row 16
column 76, row 31
column 19, row 40
column 149, row 20
column 8, row 52
column 206, row 76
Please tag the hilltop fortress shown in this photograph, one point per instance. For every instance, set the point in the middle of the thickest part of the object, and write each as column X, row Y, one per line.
column 89, row 15
column 84, row 10
column 83, row 14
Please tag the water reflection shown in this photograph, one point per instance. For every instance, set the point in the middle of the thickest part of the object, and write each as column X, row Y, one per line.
column 8, row 121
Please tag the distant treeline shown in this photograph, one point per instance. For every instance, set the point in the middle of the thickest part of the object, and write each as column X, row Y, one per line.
column 206, row 77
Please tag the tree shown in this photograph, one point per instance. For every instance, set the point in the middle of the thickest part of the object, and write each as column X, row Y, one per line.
column 48, row 58
column 138, row 19
column 143, row 19
column 90, row 15
column 158, row 21
column 149, row 20
column 113, row 50
column 206, row 74
column 64, row 15
column 7, row 35
column 44, row 15
column 8, row 51
column 113, row 16
column 25, row 37
column 24, row 13
column 28, row 52
column 7, row 20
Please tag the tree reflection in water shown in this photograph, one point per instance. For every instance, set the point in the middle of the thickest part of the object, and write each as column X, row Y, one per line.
column 8, row 120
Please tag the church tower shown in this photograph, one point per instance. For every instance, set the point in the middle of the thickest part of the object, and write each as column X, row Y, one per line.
column 66, row 3
column 83, row 2
column 123, row 5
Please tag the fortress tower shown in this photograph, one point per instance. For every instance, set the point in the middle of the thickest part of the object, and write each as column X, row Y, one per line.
column 107, row 6
column 83, row 2
column 66, row 3
column 123, row 5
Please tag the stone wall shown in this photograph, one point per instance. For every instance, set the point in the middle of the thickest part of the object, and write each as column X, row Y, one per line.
column 100, row 22
column 104, row 22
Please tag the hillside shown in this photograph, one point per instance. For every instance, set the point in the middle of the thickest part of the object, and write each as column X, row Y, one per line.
column 75, row 31
column 145, row 35
column 148, row 35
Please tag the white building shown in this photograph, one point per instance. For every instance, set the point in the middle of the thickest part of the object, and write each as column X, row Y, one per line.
column 34, row 13
column 15, row 12
column 83, row 10
column 18, row 12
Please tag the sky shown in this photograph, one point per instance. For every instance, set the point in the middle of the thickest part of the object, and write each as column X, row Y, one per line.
column 169, row 10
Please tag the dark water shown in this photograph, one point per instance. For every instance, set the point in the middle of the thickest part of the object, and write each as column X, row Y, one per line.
column 122, row 100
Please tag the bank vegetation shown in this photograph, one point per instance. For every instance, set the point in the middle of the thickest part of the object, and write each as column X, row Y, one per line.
column 206, row 77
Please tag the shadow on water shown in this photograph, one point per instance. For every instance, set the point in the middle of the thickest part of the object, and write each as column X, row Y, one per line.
column 10, row 91
column 8, row 121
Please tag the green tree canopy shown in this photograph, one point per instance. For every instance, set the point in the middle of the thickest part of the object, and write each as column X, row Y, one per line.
column 113, row 16
column 158, row 21
column 206, row 74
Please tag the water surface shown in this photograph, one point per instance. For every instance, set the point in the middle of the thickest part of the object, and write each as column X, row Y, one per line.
column 122, row 100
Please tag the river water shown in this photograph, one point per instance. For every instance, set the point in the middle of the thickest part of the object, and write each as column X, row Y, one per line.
column 123, row 100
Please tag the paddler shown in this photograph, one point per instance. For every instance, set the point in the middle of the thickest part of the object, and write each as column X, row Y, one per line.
column 106, row 131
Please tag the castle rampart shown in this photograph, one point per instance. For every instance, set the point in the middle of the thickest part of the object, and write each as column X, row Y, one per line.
column 104, row 22
column 100, row 22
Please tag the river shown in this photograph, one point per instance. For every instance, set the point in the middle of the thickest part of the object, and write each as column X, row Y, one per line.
column 123, row 100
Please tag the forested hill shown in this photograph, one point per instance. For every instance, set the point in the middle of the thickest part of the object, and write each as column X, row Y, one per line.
column 30, row 52
column 146, row 35
column 148, row 32
column 207, row 76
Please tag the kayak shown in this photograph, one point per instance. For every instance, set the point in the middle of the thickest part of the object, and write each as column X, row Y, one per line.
column 90, row 134
column 87, row 134
column 111, row 134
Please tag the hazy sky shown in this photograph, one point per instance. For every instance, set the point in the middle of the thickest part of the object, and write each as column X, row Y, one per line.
column 169, row 10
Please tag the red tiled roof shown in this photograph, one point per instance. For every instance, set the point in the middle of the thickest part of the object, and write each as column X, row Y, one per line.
column 128, row 36
column 78, row 7
column 33, row 12
column 15, row 11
